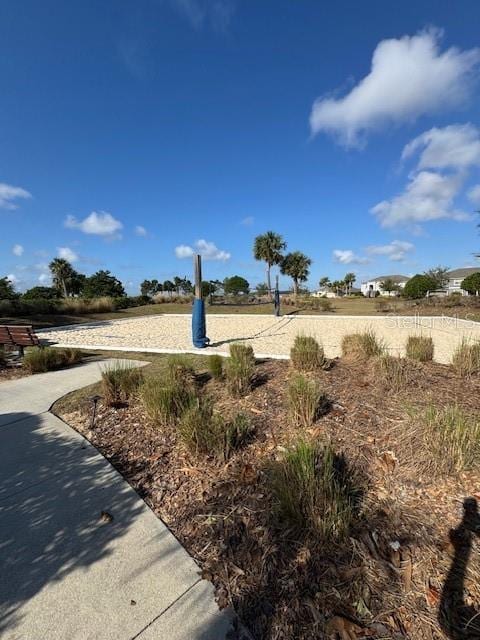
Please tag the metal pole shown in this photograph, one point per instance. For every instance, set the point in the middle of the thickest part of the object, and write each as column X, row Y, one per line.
column 197, row 264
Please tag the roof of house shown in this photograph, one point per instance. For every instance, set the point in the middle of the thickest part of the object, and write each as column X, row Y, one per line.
column 395, row 278
column 456, row 274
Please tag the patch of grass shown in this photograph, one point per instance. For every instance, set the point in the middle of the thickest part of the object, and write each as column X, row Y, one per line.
column 215, row 366
column 43, row 359
column 120, row 380
column 82, row 306
column 447, row 438
column 466, row 358
column 180, row 371
column 205, row 432
column 396, row 373
column 165, row 401
column 305, row 400
column 420, row 348
column 362, row 345
column 313, row 491
column 72, row 356
column 240, row 369
column 306, row 354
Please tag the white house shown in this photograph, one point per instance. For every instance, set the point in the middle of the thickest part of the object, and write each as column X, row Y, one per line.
column 370, row 287
column 456, row 277
column 324, row 292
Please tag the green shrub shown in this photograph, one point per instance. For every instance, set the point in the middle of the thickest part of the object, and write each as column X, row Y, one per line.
column 306, row 354
column 418, row 286
column 240, row 369
column 120, row 380
column 305, row 400
column 215, row 366
column 450, row 439
column 313, row 491
column 420, row 348
column 205, row 432
column 362, row 345
column 471, row 283
column 466, row 358
column 165, row 401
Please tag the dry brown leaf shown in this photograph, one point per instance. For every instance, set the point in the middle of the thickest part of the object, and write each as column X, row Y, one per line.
column 339, row 627
column 432, row 596
column 388, row 461
column 106, row 517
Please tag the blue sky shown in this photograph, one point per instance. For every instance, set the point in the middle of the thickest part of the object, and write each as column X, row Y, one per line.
column 132, row 131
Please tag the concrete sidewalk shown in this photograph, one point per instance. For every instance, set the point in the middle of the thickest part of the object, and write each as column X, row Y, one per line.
column 66, row 571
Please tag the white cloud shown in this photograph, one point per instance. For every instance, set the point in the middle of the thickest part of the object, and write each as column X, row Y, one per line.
column 44, row 278
column 13, row 278
column 208, row 250
column 17, row 250
column 183, row 251
column 67, row 254
column 454, row 147
column 428, row 196
column 474, row 194
column 248, row 221
column 99, row 223
column 395, row 250
column 347, row 256
column 8, row 195
column 409, row 77
column 140, row 231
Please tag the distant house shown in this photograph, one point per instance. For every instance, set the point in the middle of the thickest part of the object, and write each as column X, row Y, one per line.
column 370, row 287
column 456, row 277
column 324, row 292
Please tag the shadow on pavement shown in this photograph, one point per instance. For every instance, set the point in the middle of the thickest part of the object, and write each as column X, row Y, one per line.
column 52, row 493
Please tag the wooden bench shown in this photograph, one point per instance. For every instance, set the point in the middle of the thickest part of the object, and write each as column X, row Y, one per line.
column 20, row 336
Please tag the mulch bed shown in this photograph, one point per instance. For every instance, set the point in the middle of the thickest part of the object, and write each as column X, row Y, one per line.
column 392, row 578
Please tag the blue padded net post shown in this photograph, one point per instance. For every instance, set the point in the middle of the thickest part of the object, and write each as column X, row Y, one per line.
column 199, row 327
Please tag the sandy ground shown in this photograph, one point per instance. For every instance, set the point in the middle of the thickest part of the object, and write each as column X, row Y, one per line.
column 268, row 335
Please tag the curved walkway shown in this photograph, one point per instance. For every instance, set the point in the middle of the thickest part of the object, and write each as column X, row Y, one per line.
column 81, row 555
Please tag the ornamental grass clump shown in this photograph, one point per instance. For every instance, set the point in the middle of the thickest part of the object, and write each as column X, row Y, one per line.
column 466, row 358
column 360, row 346
column 206, row 432
column 305, row 400
column 314, row 491
column 442, row 440
column 120, row 381
column 166, row 401
column 43, row 359
column 420, row 348
column 215, row 366
column 180, row 371
column 306, row 354
column 240, row 369
column 394, row 372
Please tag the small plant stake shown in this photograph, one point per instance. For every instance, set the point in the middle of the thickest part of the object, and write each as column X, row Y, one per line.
column 94, row 400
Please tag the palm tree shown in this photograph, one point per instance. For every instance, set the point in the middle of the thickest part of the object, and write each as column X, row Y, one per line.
column 349, row 280
column 62, row 272
column 268, row 247
column 297, row 266
column 337, row 285
column 325, row 282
